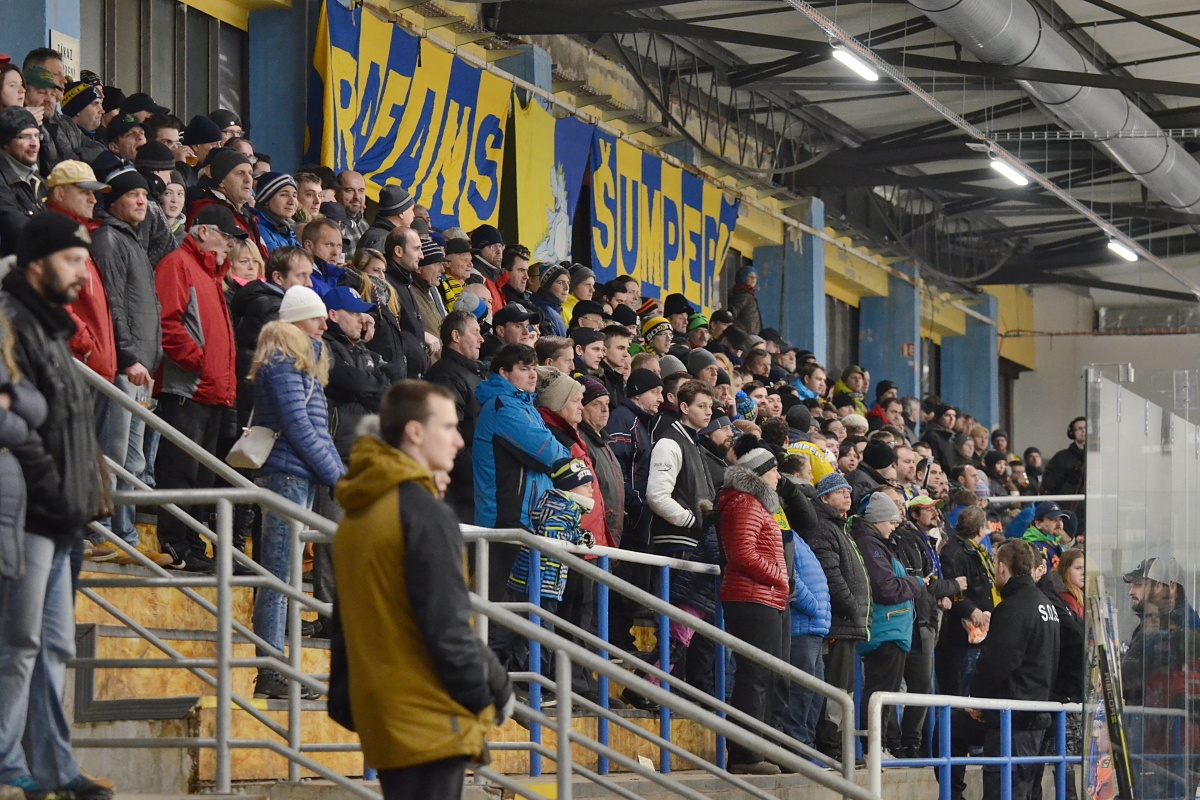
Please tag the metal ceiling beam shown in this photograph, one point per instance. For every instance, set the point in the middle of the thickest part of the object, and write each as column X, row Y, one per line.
column 1096, row 283
column 1144, row 21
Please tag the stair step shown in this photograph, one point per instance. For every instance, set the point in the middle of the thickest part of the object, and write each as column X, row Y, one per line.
column 316, row 728
column 158, row 607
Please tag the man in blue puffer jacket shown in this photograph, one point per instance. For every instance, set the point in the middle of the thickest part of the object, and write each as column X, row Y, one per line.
column 812, row 614
column 512, row 454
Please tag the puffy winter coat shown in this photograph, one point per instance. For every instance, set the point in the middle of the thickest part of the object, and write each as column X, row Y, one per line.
column 915, row 553
column 292, row 402
column 553, row 323
column 412, row 330
column 755, row 569
column 59, row 461
column 743, row 304
column 629, row 434
column 357, row 383
column 274, row 234
column 200, row 356
column 512, row 455
column 811, row 610
column 27, row 413
column 849, row 588
column 93, row 342
column 375, row 236
column 961, row 558
column 132, row 295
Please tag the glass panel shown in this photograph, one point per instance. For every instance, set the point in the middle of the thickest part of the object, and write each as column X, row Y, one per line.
column 162, row 40
column 841, row 334
column 127, row 66
column 931, row 368
column 197, row 64
column 91, row 36
column 231, row 70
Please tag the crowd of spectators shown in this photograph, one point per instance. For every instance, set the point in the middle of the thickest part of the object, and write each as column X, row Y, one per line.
column 174, row 262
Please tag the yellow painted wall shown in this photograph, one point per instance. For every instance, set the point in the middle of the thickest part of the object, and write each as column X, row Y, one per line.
column 1016, row 313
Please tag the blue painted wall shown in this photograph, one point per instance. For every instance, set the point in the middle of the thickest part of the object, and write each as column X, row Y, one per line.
column 971, row 365
column 791, row 285
column 280, row 45
column 885, row 325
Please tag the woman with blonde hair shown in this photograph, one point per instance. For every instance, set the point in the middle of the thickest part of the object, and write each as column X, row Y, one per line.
column 289, row 369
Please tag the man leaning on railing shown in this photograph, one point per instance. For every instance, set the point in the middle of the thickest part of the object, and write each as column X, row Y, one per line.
column 423, row 689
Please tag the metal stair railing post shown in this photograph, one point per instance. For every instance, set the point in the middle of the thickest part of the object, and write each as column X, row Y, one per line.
column 602, row 680
column 562, row 668
column 295, row 652
column 945, row 759
column 664, row 662
column 571, row 556
column 224, row 643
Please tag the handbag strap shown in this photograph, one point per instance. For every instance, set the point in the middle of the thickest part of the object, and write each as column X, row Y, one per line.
column 307, row 397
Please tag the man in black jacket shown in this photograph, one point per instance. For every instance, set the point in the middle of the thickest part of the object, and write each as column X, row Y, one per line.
column 1018, row 661
column 460, row 371
column 22, row 193
column 939, row 435
column 63, row 487
column 1066, row 471
column 849, row 595
column 403, row 257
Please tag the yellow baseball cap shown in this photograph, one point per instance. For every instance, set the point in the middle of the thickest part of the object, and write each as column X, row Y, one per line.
column 75, row 173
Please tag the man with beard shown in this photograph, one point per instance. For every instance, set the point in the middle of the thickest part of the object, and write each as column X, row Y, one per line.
column 403, row 251
column 352, row 194
column 21, row 191
column 489, row 245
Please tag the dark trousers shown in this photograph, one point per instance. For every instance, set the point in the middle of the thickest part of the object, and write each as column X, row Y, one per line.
column 839, row 672
column 622, row 612
column 438, row 780
column 757, row 691
column 511, row 648
column 1024, row 743
column 918, row 679
column 501, row 557
column 327, row 506
column 578, row 607
column 883, row 668
column 174, row 469
column 955, row 667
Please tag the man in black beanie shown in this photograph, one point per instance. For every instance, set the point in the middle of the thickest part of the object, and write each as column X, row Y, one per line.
column 877, row 469
column 63, row 492
column 22, row 192
column 229, row 182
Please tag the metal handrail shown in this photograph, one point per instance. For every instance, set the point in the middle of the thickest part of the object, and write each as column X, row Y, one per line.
column 1008, row 499
column 581, row 655
column 663, row 608
column 874, row 750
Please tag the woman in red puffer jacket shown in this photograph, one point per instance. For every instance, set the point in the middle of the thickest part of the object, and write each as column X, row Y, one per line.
column 754, row 593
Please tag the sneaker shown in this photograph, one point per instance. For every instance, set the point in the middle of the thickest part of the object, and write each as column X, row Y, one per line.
column 271, row 685
column 178, row 560
column 103, row 552
column 83, row 788
column 637, row 701
column 23, row 788
column 199, row 562
column 761, row 768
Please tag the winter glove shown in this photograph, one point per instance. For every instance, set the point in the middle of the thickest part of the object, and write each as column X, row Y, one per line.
column 587, row 539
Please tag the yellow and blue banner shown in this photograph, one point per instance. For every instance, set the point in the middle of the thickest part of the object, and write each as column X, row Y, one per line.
column 401, row 111
column 661, row 224
column 551, row 162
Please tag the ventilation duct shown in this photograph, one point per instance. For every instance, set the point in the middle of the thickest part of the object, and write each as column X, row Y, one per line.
column 1011, row 32
column 1147, row 319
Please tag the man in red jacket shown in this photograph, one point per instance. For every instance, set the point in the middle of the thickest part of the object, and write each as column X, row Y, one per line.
column 198, row 378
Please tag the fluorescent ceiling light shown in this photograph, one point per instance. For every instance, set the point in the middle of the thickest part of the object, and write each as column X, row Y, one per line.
column 1009, row 171
column 860, row 67
column 1122, row 250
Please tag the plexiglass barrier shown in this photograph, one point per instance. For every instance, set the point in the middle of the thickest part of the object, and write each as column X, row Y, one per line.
column 1142, row 676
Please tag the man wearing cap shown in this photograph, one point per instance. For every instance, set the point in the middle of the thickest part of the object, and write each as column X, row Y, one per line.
column 141, row 105
column 276, row 199
column 656, row 335
column 853, row 383
column 514, row 275
column 697, row 331
column 63, row 494
column 229, row 123
column 549, row 298
column 703, row 366
column 459, row 371
column 457, row 270
column 678, row 310
column 718, row 323
column 939, row 435
column 43, row 90
column 84, row 105
column 202, row 136
column 395, row 210
column 425, row 288
column 490, row 244
column 629, row 433
column 1046, row 531
column 125, row 136
column 589, row 352
column 849, row 594
column 21, row 188
column 198, row 382
column 586, row 314
column 509, row 324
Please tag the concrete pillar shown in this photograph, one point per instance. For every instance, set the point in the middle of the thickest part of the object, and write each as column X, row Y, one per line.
column 971, row 365
column 27, row 24
column 890, row 334
column 533, row 65
column 280, row 61
column 791, row 284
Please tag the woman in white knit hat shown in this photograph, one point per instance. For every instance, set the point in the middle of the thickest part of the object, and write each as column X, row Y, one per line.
column 289, row 370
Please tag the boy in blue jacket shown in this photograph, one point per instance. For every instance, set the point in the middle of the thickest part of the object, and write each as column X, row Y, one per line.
column 812, row 614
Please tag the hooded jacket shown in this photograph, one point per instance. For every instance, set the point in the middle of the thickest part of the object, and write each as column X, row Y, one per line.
column 893, row 591
column 93, row 343
column 629, row 439
column 743, row 304
column 845, row 572
column 19, row 200
column 292, row 403
column 1019, row 657
column 860, row 406
column 941, row 442
column 422, row 685
column 594, row 521
column 755, row 568
column 375, row 237
column 553, row 323
column 132, row 295
column 275, row 233
column 460, row 375
column 1049, row 546
column 811, row 611
column 197, row 336
column 59, row 459
column 512, row 455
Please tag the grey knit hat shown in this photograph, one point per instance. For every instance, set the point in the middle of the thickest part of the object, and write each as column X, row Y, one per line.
column 881, row 508
column 700, row 358
column 760, row 461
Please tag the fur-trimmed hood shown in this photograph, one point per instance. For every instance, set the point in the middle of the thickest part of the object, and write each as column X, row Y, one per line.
column 741, row 479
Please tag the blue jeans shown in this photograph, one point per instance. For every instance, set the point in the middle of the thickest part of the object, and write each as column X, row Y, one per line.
column 114, row 430
column 804, row 707
column 37, row 639
column 270, row 607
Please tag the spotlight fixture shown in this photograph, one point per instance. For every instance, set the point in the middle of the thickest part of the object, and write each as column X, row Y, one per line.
column 1009, row 171
column 1122, row 250
column 859, row 66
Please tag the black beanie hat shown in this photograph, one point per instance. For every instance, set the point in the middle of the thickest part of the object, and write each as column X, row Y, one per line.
column 799, row 417
column 641, row 381
column 223, row 161
column 47, row 233
column 124, row 180
column 154, row 156
column 878, row 454
column 201, row 130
